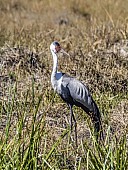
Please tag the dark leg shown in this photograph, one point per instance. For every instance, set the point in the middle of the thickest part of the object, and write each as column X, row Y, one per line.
column 72, row 117
column 75, row 129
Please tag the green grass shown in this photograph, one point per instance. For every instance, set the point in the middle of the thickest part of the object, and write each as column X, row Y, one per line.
column 25, row 144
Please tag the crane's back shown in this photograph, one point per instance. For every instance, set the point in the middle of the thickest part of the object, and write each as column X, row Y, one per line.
column 73, row 89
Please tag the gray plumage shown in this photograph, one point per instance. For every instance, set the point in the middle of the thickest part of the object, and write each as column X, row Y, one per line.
column 74, row 92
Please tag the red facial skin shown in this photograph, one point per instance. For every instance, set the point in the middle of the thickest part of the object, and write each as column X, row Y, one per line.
column 58, row 48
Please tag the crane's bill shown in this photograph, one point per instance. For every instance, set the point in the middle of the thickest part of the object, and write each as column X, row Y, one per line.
column 64, row 52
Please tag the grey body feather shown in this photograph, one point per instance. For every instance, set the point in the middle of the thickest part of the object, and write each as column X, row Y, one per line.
column 73, row 91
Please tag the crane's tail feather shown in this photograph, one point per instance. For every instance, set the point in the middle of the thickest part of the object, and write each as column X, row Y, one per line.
column 96, row 119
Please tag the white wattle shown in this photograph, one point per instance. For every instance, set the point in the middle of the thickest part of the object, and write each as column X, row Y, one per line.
column 55, row 76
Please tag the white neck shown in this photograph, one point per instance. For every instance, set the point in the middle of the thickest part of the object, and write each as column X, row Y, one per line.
column 55, row 66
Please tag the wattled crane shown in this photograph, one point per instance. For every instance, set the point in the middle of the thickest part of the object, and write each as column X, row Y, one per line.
column 73, row 92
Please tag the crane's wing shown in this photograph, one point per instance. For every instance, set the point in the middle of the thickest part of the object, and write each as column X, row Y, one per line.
column 77, row 91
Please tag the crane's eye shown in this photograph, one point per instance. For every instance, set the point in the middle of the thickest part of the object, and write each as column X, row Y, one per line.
column 57, row 48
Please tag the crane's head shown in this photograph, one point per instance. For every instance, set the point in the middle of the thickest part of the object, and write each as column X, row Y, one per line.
column 56, row 48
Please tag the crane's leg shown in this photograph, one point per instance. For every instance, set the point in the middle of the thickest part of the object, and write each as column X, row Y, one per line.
column 71, row 113
column 72, row 117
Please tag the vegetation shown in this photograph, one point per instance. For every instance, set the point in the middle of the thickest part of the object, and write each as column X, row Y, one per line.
column 34, row 121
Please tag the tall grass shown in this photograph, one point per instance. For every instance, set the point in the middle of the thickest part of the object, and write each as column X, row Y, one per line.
column 25, row 140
